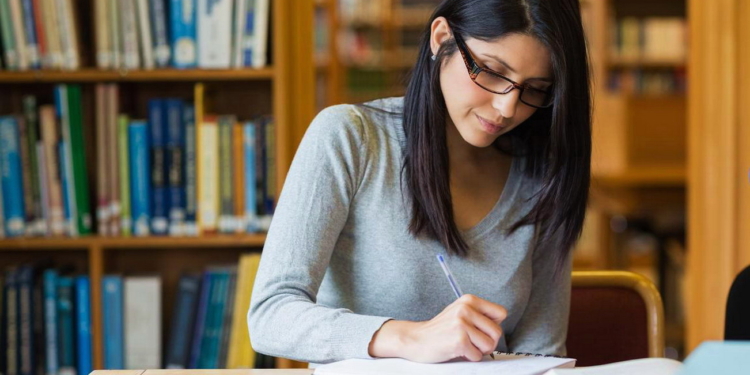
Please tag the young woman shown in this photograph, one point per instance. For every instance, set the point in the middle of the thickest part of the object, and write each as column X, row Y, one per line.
column 485, row 161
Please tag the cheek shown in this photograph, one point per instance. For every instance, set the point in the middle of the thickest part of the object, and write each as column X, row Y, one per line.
column 460, row 92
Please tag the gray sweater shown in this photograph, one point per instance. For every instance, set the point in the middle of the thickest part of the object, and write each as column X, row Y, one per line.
column 339, row 260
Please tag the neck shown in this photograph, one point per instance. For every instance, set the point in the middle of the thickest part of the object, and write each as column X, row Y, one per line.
column 462, row 153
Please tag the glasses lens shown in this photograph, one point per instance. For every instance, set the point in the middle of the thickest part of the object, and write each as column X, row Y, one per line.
column 531, row 96
column 493, row 82
column 536, row 97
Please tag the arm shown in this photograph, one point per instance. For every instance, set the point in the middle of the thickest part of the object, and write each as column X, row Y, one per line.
column 284, row 319
column 543, row 327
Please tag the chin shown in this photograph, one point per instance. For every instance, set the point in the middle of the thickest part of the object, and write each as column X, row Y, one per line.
column 480, row 139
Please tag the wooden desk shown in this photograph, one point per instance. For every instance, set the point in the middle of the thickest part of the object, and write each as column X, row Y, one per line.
column 205, row 372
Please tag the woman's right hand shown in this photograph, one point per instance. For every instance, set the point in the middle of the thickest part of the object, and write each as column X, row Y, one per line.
column 468, row 328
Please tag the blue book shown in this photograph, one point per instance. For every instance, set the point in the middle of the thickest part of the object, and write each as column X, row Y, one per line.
column 191, row 200
column 212, row 316
column 183, row 321
column 248, row 41
column 65, row 326
column 49, row 279
column 183, row 33
column 159, row 33
column 112, row 308
column 175, row 165
column 66, row 158
column 83, row 320
column 25, row 317
column 67, row 186
column 10, row 177
column 12, row 323
column 249, row 153
column 200, row 320
column 158, row 129
column 140, row 183
column 32, row 48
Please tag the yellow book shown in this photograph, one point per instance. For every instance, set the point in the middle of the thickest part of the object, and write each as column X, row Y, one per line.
column 207, row 155
column 241, row 353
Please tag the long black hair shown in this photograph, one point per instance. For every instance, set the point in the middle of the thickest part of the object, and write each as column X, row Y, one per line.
column 556, row 141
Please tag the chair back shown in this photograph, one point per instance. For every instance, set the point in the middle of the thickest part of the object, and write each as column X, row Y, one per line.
column 614, row 316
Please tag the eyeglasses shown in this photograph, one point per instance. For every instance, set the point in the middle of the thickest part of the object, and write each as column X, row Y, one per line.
column 497, row 83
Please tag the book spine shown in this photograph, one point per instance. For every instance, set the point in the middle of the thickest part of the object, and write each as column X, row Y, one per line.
column 260, row 172
column 32, row 48
column 142, row 314
column 112, row 155
column 175, row 148
column 182, row 322
column 190, row 227
column 250, row 152
column 157, row 128
column 64, row 29
column 16, row 14
column 50, row 320
column 25, row 315
column 78, row 157
column 32, row 127
column 41, row 37
column 238, row 31
column 226, row 326
column 128, row 16
column 103, row 41
column 65, row 182
column 103, row 215
column 115, row 32
column 123, row 147
column 218, row 319
column 52, row 34
column 184, row 46
column 70, row 54
column 226, row 184
column 66, row 334
column 144, row 31
column 10, row 177
column 52, row 170
column 260, row 33
column 200, row 320
column 160, row 38
column 269, row 154
column 83, row 324
column 66, row 159
column 238, row 166
column 214, row 34
column 8, row 38
column 208, row 329
column 26, row 172
column 140, row 184
column 12, row 365
column 208, row 177
column 112, row 288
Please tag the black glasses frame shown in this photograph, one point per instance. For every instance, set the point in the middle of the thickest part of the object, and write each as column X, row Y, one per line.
column 474, row 69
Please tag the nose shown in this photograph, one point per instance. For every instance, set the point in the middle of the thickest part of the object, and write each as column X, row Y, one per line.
column 506, row 104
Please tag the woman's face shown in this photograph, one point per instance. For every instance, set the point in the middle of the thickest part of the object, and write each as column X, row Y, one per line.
column 479, row 115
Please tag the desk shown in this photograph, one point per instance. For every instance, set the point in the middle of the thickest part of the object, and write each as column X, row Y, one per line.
column 206, row 372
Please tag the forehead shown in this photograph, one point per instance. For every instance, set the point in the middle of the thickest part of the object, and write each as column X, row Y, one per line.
column 523, row 53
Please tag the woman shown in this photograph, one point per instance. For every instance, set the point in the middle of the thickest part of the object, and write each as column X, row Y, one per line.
column 485, row 161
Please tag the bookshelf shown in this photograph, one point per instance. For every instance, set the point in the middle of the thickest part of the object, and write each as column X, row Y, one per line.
column 283, row 89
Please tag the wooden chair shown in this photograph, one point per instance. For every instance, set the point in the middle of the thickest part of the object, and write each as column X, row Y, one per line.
column 614, row 316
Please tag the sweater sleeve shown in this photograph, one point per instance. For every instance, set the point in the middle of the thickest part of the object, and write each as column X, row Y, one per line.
column 284, row 319
column 543, row 326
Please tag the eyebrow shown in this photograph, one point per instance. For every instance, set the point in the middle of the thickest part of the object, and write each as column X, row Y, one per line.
column 502, row 62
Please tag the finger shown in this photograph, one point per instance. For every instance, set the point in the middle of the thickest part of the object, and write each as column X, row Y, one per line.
column 480, row 340
column 495, row 312
column 486, row 325
column 468, row 350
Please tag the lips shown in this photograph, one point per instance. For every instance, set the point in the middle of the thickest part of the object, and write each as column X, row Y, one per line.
column 490, row 127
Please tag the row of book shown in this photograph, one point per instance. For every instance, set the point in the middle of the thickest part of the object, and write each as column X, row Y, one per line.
column 135, row 34
column 638, row 81
column 46, row 320
column 650, row 38
column 169, row 175
column 39, row 34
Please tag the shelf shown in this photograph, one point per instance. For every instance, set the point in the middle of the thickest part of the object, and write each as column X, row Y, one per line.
column 96, row 75
column 641, row 62
column 655, row 176
column 217, row 241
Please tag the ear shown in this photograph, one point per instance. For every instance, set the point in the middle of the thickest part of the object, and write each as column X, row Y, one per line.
column 439, row 33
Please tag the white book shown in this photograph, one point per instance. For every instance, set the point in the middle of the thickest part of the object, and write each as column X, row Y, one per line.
column 144, row 31
column 68, row 34
column 131, row 56
column 19, row 33
column 239, row 31
column 208, row 178
column 45, row 225
column 103, row 46
column 54, row 58
column 261, row 33
column 215, row 33
column 142, row 322
column 496, row 364
column 115, row 30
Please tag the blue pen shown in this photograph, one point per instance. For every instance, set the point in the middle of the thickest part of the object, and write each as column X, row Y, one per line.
column 449, row 275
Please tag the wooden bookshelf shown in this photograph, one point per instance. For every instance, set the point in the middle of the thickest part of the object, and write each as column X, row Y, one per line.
column 283, row 89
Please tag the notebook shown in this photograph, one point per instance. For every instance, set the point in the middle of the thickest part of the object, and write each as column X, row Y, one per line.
column 645, row 366
column 497, row 363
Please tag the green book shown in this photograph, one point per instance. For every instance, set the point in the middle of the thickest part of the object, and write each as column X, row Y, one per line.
column 80, row 176
column 122, row 148
column 32, row 129
column 9, row 42
column 226, row 183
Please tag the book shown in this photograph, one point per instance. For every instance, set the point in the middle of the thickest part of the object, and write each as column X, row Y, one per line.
column 200, row 320
column 140, row 183
column 226, row 175
column 207, row 158
column 160, row 38
column 103, row 214
column 112, row 309
column 50, row 321
column 175, row 165
column 16, row 14
column 158, row 169
column 10, row 177
column 31, row 119
column 644, row 366
column 240, row 353
column 26, row 172
column 250, row 193
column 83, row 324
column 129, row 21
column 113, row 159
column 52, row 170
column 77, row 143
column 10, row 52
column 260, row 33
column 29, row 24
column 144, row 31
column 65, row 326
column 184, row 44
column 103, row 42
column 183, row 321
column 66, row 160
column 12, row 322
column 123, row 156
column 27, row 360
column 52, row 34
column 190, row 227
column 496, row 363
column 142, row 314
column 214, row 33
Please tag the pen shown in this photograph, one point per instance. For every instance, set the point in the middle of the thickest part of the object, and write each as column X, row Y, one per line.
column 449, row 275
